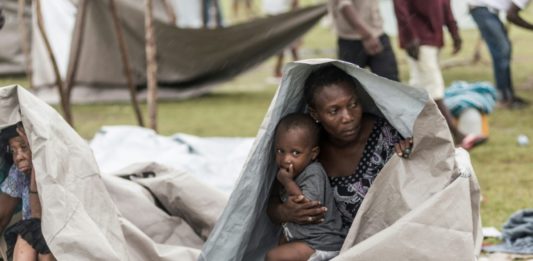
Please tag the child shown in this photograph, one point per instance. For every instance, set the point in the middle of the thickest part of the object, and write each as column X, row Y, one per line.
column 296, row 148
column 24, row 239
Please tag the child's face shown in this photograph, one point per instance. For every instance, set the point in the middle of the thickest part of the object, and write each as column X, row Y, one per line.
column 294, row 147
column 21, row 154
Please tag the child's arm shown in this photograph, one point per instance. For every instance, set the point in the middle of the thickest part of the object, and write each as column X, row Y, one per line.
column 285, row 177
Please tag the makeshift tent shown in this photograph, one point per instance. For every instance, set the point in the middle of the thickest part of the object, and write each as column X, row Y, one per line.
column 188, row 59
column 59, row 19
column 87, row 216
column 422, row 208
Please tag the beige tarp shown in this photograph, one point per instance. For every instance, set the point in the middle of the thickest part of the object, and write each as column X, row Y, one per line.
column 87, row 216
column 422, row 208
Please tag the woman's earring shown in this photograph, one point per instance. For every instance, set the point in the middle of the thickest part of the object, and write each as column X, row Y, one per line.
column 317, row 122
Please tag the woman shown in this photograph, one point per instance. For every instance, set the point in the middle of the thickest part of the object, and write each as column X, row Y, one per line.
column 24, row 239
column 354, row 147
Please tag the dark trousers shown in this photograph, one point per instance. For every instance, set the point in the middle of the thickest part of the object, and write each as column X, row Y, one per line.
column 383, row 64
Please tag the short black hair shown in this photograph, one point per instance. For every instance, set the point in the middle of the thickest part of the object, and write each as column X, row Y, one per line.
column 300, row 120
column 325, row 76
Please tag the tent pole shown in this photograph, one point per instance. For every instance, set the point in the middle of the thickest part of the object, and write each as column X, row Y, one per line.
column 75, row 50
column 64, row 103
column 125, row 62
column 24, row 40
column 151, row 65
column 170, row 12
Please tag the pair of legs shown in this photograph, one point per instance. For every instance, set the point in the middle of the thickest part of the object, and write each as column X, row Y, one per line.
column 24, row 251
column 279, row 60
column 425, row 74
column 383, row 64
column 209, row 5
column 294, row 251
column 495, row 35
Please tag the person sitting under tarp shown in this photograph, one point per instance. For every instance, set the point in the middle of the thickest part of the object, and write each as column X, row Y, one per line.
column 24, row 239
column 383, row 198
column 355, row 147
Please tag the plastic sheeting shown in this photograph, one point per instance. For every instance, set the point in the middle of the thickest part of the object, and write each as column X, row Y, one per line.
column 215, row 161
column 189, row 60
column 89, row 217
column 422, row 208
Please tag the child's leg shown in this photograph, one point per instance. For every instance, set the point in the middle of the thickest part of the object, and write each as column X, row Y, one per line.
column 23, row 250
column 294, row 251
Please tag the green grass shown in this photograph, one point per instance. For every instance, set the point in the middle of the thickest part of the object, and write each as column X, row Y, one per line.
column 237, row 107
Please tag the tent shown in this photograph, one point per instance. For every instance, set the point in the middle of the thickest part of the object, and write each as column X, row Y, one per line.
column 422, row 208
column 84, row 43
column 151, row 213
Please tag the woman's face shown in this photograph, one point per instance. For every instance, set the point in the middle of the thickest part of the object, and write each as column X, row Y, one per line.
column 21, row 154
column 337, row 108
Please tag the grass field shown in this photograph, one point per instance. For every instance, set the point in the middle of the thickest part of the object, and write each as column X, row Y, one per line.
column 237, row 107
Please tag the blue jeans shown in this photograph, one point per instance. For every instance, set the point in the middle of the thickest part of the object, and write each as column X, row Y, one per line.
column 495, row 35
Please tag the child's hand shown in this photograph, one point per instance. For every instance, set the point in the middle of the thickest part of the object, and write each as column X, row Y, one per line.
column 285, row 175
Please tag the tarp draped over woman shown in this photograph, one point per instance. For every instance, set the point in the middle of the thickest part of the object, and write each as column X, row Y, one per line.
column 422, row 208
column 83, row 216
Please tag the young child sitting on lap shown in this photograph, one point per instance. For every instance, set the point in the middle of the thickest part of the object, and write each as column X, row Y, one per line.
column 24, row 239
column 296, row 148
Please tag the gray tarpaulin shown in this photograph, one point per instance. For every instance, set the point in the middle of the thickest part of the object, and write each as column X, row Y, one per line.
column 422, row 208
column 87, row 216
column 188, row 59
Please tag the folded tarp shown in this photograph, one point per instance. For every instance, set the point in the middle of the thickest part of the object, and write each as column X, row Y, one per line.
column 422, row 208
column 216, row 161
column 189, row 60
column 90, row 217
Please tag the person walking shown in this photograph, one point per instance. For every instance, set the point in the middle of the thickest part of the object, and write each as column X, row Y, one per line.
column 486, row 16
column 361, row 39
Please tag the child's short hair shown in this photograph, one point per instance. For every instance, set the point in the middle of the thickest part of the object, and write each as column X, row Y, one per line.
column 300, row 120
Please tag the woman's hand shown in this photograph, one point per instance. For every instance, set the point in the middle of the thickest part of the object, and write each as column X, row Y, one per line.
column 301, row 210
column 404, row 148
column 297, row 210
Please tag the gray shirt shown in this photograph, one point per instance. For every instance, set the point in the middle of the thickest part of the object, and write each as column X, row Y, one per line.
column 328, row 235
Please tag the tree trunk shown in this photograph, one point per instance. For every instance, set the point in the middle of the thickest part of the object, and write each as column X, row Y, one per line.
column 125, row 62
column 151, row 66
column 64, row 103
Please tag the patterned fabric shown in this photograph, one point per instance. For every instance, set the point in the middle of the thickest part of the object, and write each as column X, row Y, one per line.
column 349, row 191
column 17, row 185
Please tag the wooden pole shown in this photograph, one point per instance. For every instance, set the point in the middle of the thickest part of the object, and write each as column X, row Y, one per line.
column 151, row 66
column 125, row 63
column 64, row 104
column 77, row 42
column 170, row 12
column 23, row 28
